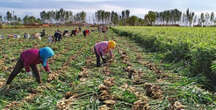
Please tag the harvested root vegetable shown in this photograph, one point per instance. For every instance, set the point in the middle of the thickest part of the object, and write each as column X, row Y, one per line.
column 83, row 73
column 105, row 97
column 139, row 56
column 109, row 102
column 2, row 82
column 61, row 105
column 136, row 79
column 141, row 105
column 68, row 95
column 104, row 107
column 65, row 104
column 104, row 93
column 153, row 67
column 4, row 68
column 1, row 62
column 106, row 71
column 124, row 86
column 88, row 62
column 30, row 98
column 124, row 56
column 176, row 106
column 140, row 73
column 52, row 76
column 153, row 91
column 34, row 91
column 83, row 79
column 130, row 71
column 11, row 105
column 109, row 82
column 102, row 87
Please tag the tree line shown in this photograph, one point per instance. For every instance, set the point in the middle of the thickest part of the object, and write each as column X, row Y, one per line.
column 62, row 16
column 166, row 17
column 58, row 16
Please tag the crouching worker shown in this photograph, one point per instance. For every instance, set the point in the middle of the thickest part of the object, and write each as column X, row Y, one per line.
column 30, row 58
column 86, row 32
column 101, row 49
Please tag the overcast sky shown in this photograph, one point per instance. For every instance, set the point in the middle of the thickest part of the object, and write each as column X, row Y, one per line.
column 137, row 7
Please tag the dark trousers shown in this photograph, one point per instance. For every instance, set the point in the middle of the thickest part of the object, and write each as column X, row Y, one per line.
column 98, row 58
column 58, row 38
column 84, row 33
column 18, row 68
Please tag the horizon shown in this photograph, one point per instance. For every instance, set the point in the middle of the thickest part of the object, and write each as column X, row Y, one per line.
column 138, row 8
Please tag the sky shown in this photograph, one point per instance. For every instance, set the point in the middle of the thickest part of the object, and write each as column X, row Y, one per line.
column 136, row 7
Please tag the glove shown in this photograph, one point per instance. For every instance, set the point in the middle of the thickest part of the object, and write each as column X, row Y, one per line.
column 107, row 57
column 104, row 57
column 29, row 73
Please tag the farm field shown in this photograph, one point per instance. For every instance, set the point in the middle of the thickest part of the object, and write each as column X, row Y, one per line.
column 140, row 77
column 193, row 47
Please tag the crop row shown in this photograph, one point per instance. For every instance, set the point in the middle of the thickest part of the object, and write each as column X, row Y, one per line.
column 195, row 47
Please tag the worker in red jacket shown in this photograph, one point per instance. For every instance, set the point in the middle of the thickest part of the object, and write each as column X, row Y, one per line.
column 30, row 58
column 86, row 32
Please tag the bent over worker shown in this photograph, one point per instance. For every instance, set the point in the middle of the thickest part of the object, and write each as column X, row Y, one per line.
column 30, row 58
column 101, row 49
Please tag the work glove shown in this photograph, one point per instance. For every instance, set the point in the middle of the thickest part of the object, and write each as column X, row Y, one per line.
column 107, row 57
column 104, row 57
column 29, row 73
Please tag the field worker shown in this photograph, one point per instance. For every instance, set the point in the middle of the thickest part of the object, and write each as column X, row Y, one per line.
column 16, row 36
column 50, row 39
column 101, row 49
column 1, row 37
column 86, row 32
column 10, row 36
column 43, row 33
column 26, row 35
column 37, row 36
column 74, row 32
column 58, row 36
column 80, row 29
column 104, row 29
column 65, row 33
column 99, row 28
column 30, row 58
